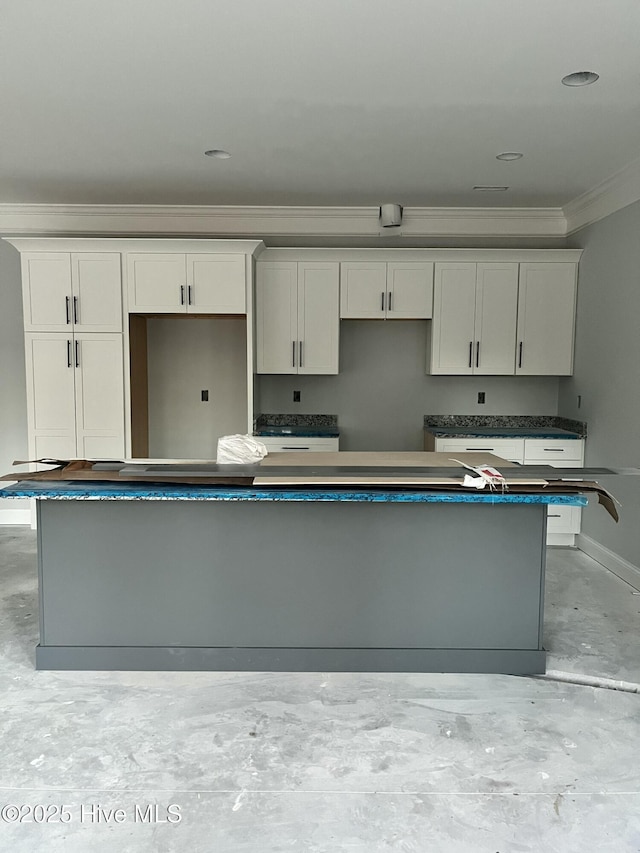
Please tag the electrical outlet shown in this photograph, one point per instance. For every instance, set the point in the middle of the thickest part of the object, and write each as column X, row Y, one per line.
column 204, row 396
column 481, row 396
column 296, row 396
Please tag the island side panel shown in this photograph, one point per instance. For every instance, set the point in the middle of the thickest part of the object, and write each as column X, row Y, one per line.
column 291, row 575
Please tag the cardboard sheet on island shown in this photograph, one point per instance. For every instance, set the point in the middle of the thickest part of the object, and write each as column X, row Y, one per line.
column 423, row 470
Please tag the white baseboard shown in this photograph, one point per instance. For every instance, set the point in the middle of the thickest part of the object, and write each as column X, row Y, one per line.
column 15, row 516
column 610, row 560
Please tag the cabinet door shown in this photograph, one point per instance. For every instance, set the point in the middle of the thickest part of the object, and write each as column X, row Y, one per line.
column 217, row 284
column 99, row 399
column 546, row 319
column 157, row 283
column 46, row 291
column 453, row 326
column 51, row 410
column 363, row 290
column 409, row 291
column 97, row 292
column 318, row 317
column 495, row 319
column 277, row 317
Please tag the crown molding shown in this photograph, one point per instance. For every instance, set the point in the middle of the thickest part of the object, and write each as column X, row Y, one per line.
column 619, row 190
column 231, row 221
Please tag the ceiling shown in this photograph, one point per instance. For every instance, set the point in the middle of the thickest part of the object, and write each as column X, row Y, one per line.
column 320, row 102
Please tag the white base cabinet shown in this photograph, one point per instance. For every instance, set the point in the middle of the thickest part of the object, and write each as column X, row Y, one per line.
column 75, row 395
column 286, row 444
column 563, row 522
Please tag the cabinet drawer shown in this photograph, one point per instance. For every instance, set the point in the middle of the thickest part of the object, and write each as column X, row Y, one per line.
column 563, row 519
column 298, row 443
column 549, row 451
column 510, row 449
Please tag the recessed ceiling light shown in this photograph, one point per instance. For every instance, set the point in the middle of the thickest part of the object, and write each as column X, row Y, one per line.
column 218, row 153
column 580, row 78
column 509, row 155
column 487, row 189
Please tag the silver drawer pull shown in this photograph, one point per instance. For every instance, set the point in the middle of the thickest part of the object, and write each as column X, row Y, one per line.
column 480, row 448
column 553, row 449
column 554, row 515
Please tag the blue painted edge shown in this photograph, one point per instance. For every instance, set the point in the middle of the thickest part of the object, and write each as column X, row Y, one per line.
column 160, row 491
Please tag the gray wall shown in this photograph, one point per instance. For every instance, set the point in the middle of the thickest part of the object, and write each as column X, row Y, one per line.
column 382, row 391
column 13, row 406
column 185, row 357
column 607, row 370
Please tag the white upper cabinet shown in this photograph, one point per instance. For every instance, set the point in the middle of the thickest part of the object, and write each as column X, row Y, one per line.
column 75, row 395
column 65, row 292
column 546, row 319
column 171, row 283
column 474, row 318
column 379, row 291
column 503, row 319
column 297, row 317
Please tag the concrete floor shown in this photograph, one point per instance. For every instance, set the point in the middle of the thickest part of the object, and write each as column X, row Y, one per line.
column 318, row 763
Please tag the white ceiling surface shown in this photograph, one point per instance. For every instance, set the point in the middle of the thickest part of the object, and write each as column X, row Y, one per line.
column 320, row 102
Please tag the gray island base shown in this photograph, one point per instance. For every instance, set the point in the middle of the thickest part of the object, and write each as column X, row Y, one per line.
column 242, row 580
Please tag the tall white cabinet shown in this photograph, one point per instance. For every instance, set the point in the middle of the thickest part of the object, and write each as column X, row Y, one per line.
column 74, row 354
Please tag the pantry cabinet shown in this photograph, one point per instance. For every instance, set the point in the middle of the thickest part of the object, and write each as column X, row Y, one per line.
column 392, row 291
column 68, row 291
column 297, row 317
column 75, row 395
column 173, row 283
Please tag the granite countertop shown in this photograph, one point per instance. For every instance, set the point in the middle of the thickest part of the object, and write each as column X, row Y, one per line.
column 103, row 491
column 504, row 426
column 303, row 426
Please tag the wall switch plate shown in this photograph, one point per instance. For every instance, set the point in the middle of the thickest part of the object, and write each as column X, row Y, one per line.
column 296, row 396
column 481, row 396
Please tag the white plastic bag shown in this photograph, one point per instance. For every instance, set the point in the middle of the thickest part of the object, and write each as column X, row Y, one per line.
column 239, row 450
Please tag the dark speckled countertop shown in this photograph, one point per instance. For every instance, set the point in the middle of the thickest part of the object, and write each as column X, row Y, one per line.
column 504, row 426
column 303, row 426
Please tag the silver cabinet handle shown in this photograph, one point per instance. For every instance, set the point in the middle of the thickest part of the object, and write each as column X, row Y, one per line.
column 75, row 309
column 389, row 295
column 68, row 353
column 189, row 295
column 300, row 358
column 470, row 353
column 290, row 447
column 520, row 355
column 182, row 294
column 554, row 515
column 382, row 301
column 486, row 449
column 293, row 353
column 553, row 449
column 77, row 359
column 66, row 308
column 478, row 354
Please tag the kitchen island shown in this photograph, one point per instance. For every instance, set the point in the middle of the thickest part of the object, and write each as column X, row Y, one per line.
column 164, row 576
